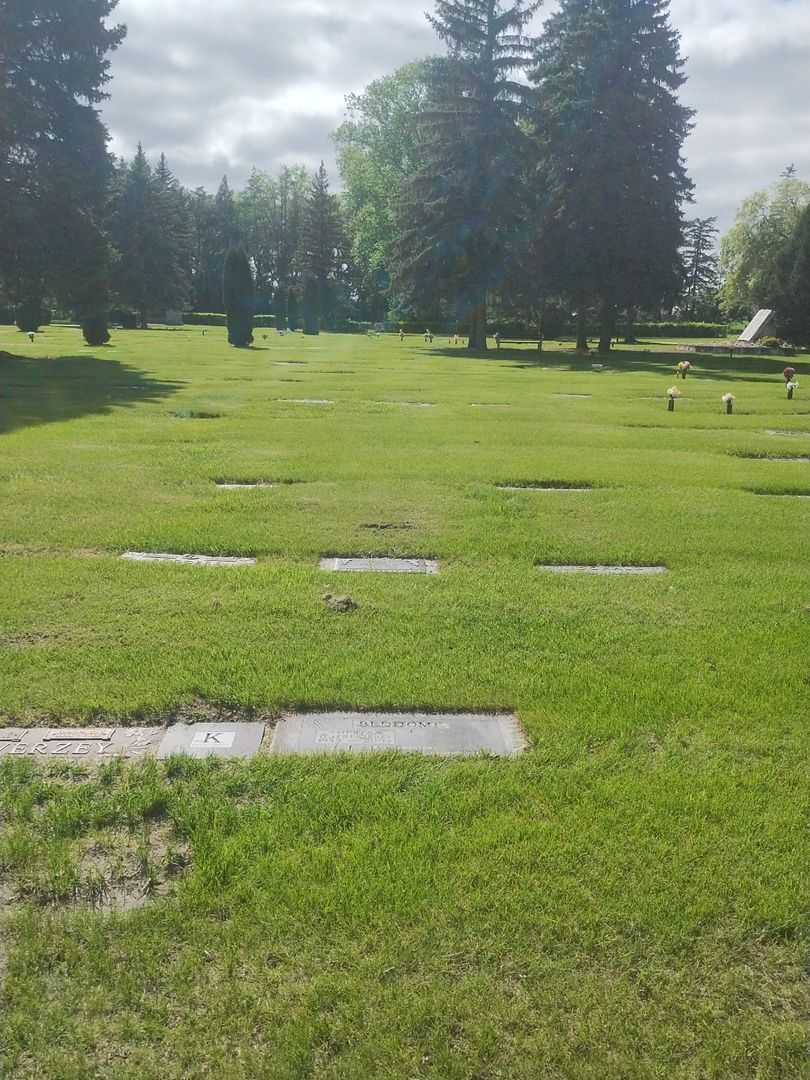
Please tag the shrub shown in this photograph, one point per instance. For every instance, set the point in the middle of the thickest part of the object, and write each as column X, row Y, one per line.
column 94, row 328
column 29, row 316
column 237, row 291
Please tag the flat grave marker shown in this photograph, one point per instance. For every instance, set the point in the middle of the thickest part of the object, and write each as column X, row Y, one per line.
column 451, row 735
column 187, row 560
column 221, row 740
column 618, row 571
column 91, row 744
column 361, row 565
column 234, row 486
column 306, row 401
column 544, row 487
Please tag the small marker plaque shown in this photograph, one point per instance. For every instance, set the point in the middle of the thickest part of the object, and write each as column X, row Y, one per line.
column 212, row 740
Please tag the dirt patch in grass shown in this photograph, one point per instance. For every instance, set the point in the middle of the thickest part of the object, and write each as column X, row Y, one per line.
column 388, row 526
column 111, row 871
column 761, row 455
column 197, row 414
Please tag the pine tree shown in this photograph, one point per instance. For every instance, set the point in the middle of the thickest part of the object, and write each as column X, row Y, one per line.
column 54, row 166
column 321, row 242
column 701, row 279
column 238, row 297
column 459, row 212
column 610, row 131
column 151, row 228
column 174, row 240
column 311, row 306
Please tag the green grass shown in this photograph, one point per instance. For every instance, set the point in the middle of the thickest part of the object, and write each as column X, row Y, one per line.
column 627, row 900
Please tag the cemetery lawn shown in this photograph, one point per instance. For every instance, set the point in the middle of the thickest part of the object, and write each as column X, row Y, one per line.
column 627, row 900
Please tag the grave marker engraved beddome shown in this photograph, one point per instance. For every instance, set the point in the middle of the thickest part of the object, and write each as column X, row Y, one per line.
column 361, row 565
column 451, row 735
column 223, row 740
column 757, row 327
column 82, row 743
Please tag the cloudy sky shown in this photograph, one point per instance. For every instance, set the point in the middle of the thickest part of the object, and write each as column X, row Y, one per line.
column 220, row 87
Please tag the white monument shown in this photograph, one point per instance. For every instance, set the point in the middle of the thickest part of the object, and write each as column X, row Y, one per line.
column 757, row 327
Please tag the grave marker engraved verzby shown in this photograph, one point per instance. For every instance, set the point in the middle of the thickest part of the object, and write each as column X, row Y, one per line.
column 239, row 740
column 453, row 735
column 82, row 743
column 380, row 565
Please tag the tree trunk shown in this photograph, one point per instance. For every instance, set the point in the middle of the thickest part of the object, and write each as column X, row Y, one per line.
column 478, row 328
column 630, row 328
column 144, row 320
column 607, row 327
column 541, row 327
column 582, row 331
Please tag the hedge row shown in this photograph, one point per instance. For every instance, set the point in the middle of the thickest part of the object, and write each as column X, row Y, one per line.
column 685, row 330
column 209, row 318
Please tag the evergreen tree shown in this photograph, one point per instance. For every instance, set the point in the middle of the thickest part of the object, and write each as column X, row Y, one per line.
column 459, row 211
column 238, row 297
column 174, row 242
column 321, row 244
column 311, row 305
column 151, row 230
column 701, row 279
column 205, row 286
column 285, row 238
column 54, row 166
column 610, row 136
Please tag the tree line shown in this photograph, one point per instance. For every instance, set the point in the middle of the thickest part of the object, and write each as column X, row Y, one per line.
column 514, row 181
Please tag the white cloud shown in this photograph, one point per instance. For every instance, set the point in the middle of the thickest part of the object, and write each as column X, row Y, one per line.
column 223, row 87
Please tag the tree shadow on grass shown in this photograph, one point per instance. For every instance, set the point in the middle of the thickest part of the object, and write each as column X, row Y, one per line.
column 43, row 391
column 704, row 365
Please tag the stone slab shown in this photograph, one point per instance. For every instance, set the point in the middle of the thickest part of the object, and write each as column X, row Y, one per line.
column 757, row 327
column 221, row 740
column 410, row 404
column 785, row 433
column 380, row 566
column 614, row 570
column 455, row 735
column 578, row 397
column 85, row 744
column 488, row 405
column 187, row 560
column 244, row 487
column 539, row 487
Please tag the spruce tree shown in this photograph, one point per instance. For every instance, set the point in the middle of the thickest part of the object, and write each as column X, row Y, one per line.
column 238, row 297
column 311, row 305
column 321, row 241
column 610, row 133
column 459, row 212
column 54, row 165
column 174, row 239
column 701, row 279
